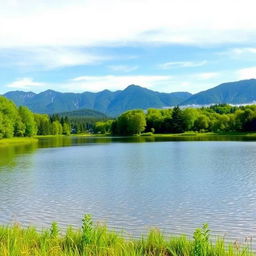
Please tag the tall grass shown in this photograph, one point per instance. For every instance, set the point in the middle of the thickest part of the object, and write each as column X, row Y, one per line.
column 98, row 240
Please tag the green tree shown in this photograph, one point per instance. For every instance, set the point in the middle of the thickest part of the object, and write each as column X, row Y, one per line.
column 190, row 115
column 246, row 119
column 19, row 128
column 43, row 124
column 178, row 124
column 131, row 122
column 56, row 128
column 201, row 123
column 2, row 131
column 155, row 119
column 66, row 129
column 10, row 117
column 27, row 118
column 103, row 127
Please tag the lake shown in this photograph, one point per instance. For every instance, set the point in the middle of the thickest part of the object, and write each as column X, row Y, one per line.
column 132, row 184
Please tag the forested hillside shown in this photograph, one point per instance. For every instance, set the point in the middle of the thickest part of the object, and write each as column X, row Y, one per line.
column 83, row 120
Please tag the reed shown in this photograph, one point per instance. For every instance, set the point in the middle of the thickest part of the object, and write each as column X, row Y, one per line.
column 97, row 240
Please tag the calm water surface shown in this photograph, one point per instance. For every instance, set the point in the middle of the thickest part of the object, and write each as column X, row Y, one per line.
column 174, row 185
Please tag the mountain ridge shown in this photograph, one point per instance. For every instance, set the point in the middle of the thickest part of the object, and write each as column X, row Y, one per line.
column 238, row 92
column 113, row 103
column 107, row 102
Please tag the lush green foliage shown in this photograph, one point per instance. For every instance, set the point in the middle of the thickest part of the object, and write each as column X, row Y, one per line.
column 217, row 118
column 103, row 127
column 21, row 122
column 98, row 240
column 129, row 123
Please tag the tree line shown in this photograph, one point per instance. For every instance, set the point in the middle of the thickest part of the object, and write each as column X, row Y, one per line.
column 21, row 122
column 217, row 118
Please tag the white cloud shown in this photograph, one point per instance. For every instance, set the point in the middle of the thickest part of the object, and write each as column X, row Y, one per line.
column 123, row 68
column 182, row 64
column 98, row 83
column 158, row 83
column 247, row 73
column 25, row 83
column 48, row 57
column 99, row 22
column 206, row 75
column 113, row 83
column 239, row 52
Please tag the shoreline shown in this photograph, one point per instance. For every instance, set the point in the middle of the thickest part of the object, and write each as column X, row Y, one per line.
column 30, row 140
column 197, row 134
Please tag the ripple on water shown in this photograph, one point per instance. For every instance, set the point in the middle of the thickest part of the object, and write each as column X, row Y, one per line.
column 176, row 186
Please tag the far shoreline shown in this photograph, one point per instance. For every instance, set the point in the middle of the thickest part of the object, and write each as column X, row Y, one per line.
column 16, row 141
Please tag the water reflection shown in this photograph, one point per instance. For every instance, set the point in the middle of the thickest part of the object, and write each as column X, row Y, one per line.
column 8, row 154
column 63, row 141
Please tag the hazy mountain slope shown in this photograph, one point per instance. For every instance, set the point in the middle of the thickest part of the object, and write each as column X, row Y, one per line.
column 175, row 97
column 243, row 91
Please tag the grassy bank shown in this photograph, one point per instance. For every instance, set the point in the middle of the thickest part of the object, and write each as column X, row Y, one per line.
column 17, row 141
column 97, row 240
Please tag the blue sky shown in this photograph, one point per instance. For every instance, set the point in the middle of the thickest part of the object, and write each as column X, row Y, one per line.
column 164, row 45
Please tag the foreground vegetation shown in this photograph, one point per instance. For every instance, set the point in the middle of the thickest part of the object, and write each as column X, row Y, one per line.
column 98, row 240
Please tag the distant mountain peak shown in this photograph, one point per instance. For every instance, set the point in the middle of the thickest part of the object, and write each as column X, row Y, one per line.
column 50, row 91
column 134, row 86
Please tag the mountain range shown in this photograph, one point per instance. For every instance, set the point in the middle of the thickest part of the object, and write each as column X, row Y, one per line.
column 107, row 102
column 133, row 97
